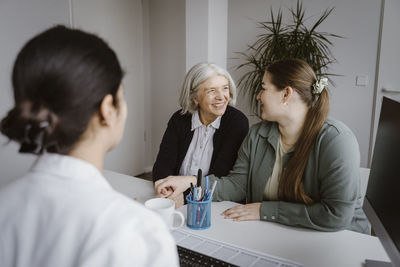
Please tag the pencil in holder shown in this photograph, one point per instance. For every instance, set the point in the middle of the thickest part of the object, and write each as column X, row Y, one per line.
column 198, row 214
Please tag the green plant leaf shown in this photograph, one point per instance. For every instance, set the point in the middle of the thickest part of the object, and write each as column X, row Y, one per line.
column 281, row 40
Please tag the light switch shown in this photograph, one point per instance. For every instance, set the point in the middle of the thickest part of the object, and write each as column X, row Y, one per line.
column 361, row 80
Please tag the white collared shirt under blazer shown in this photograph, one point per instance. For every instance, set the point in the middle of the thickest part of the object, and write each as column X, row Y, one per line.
column 64, row 213
column 200, row 151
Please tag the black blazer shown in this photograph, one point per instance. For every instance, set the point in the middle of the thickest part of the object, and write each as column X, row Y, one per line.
column 178, row 136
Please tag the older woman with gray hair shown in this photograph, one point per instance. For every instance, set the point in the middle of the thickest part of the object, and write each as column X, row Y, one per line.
column 207, row 132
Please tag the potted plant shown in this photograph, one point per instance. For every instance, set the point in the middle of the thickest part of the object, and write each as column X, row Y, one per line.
column 282, row 41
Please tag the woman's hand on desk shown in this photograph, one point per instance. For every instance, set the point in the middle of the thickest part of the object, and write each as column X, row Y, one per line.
column 248, row 212
column 173, row 186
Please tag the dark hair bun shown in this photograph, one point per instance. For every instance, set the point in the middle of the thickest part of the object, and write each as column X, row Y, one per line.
column 60, row 78
column 32, row 125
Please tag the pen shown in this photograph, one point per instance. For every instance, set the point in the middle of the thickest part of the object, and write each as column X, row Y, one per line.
column 198, row 197
column 199, row 173
column 194, row 209
column 207, row 198
column 213, row 188
column 204, row 215
column 198, row 216
column 194, row 194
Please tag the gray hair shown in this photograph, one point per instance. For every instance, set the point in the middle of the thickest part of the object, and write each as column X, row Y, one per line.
column 196, row 76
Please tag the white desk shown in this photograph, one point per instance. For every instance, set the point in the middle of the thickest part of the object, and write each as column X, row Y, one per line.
column 309, row 247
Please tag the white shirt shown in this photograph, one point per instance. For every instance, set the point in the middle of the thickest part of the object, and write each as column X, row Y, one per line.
column 271, row 188
column 199, row 153
column 64, row 213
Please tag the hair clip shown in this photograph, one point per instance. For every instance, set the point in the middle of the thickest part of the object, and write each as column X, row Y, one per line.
column 35, row 144
column 319, row 85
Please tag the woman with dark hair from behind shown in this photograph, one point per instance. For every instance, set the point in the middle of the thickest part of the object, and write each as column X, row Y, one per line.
column 70, row 110
column 296, row 167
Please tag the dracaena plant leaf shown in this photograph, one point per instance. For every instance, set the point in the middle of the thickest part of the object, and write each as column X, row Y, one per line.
column 282, row 41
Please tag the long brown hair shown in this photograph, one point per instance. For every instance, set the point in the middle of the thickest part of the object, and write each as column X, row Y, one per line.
column 300, row 76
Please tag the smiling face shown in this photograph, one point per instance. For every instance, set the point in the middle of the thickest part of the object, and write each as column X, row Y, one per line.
column 270, row 99
column 213, row 98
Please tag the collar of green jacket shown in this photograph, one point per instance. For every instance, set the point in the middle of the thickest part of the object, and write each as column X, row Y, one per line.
column 270, row 130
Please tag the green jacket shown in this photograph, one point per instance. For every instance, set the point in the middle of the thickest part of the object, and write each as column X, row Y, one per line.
column 331, row 179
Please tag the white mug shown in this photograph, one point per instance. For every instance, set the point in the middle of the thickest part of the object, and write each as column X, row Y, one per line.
column 165, row 207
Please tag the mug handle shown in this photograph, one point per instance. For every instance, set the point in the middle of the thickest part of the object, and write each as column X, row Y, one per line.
column 182, row 219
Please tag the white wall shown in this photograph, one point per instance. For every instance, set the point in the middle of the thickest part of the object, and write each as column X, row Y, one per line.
column 119, row 22
column 19, row 21
column 218, row 32
column 206, row 32
column 197, row 23
column 167, row 63
column 388, row 74
column 357, row 20
column 147, row 87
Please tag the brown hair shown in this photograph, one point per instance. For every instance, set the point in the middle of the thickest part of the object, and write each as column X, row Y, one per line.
column 301, row 77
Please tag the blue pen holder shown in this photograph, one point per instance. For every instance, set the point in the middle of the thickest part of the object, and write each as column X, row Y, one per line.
column 198, row 214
